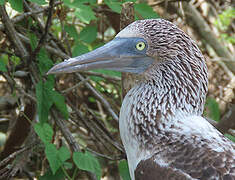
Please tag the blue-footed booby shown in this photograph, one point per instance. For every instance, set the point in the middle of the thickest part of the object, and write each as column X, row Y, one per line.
column 161, row 125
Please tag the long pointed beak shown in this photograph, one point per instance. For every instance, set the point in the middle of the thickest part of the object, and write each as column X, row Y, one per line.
column 117, row 55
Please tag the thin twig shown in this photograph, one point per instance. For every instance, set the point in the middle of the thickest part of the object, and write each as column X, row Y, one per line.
column 65, row 131
column 34, row 16
column 105, row 133
column 26, row 14
column 87, row 125
column 11, row 32
column 50, row 49
column 104, row 102
column 46, row 30
column 69, row 137
column 164, row 1
column 75, row 86
column 115, row 158
column 13, row 155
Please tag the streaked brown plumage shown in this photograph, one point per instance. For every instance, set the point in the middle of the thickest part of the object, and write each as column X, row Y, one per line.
column 161, row 126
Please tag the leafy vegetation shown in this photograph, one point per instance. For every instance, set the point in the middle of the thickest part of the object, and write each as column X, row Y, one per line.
column 77, row 27
column 212, row 109
column 81, row 38
column 224, row 21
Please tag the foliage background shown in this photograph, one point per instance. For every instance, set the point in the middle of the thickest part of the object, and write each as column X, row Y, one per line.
column 57, row 127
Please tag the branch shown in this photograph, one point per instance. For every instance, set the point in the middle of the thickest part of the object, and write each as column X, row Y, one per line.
column 44, row 36
column 88, row 126
column 214, row 123
column 65, row 131
column 20, row 130
column 34, row 16
column 165, row 1
column 194, row 18
column 75, row 86
column 50, row 49
column 14, row 154
column 7, row 103
column 99, row 97
column 228, row 120
column 229, row 94
column 11, row 32
column 68, row 136
column 105, row 133
column 26, row 14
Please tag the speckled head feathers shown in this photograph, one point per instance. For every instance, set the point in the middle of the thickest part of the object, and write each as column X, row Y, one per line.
column 178, row 61
column 165, row 39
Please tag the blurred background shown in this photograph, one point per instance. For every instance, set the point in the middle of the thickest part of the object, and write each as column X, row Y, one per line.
column 66, row 126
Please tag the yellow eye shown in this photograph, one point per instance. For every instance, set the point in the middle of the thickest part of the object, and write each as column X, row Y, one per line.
column 140, row 46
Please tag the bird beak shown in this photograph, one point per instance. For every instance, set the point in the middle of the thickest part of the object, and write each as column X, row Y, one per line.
column 119, row 54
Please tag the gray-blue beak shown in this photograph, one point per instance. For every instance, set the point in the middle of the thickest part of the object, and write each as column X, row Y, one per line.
column 120, row 54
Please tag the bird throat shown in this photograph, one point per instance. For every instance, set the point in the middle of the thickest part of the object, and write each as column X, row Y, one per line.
column 154, row 105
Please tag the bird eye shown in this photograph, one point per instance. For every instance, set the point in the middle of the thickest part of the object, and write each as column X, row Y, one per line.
column 140, row 46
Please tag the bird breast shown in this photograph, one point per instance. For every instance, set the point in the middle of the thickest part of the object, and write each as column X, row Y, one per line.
column 151, row 124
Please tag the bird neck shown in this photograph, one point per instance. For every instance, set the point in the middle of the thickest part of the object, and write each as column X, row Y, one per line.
column 165, row 98
column 178, row 86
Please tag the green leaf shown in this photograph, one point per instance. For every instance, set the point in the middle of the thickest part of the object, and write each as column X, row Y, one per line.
column 59, row 175
column 88, row 34
column 87, row 1
column 129, row 1
column 17, row 5
column 33, row 40
column 64, row 154
column 124, row 170
column 44, row 101
column 86, row 161
column 225, row 18
column 85, row 13
column 44, row 131
column 114, row 5
column 75, row 4
column 3, row 66
column 108, row 72
column 59, row 102
column 15, row 60
column 213, row 109
column 68, row 165
column 144, row 11
column 72, row 4
column 79, row 49
column 96, row 79
column 45, row 63
column 39, row 2
column 71, row 30
column 56, row 157
column 91, row 99
column 2, row 2
column 52, row 156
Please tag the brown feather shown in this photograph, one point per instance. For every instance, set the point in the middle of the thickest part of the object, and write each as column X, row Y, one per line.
column 161, row 123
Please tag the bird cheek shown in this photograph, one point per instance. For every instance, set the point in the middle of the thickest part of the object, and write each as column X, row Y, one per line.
column 148, row 72
column 152, row 53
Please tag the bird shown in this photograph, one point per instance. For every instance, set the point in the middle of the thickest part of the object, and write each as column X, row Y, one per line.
column 161, row 123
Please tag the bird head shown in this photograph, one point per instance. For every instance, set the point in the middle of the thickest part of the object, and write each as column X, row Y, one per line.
column 140, row 46
column 129, row 51
column 160, row 52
